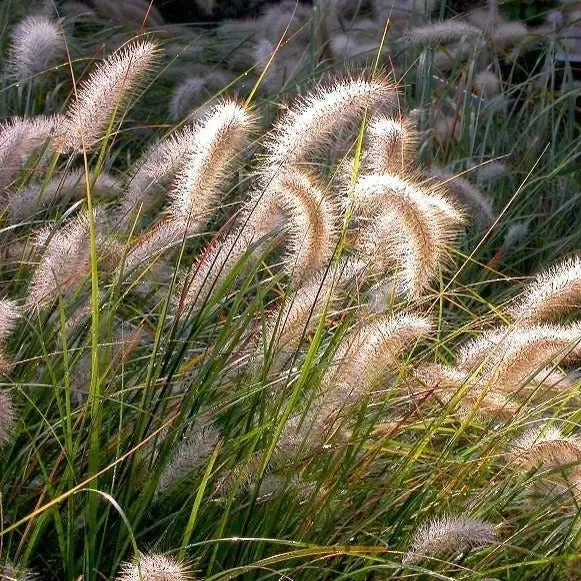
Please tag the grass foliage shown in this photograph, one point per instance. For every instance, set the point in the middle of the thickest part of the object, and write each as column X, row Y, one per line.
column 291, row 298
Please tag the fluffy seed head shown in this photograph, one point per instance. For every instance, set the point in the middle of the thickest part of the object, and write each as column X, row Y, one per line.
column 552, row 293
column 468, row 195
column 154, row 568
column 64, row 263
column 312, row 120
column 390, row 143
column 104, row 94
column 370, row 352
column 309, row 217
column 214, row 265
column 449, row 534
column 20, row 138
column 70, row 186
column 219, row 137
column 409, row 227
column 545, row 446
column 189, row 455
column 36, row 43
column 155, row 170
column 441, row 33
column 524, row 351
column 6, row 417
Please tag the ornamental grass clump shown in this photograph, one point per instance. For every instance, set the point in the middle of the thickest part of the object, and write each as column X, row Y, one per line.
column 268, row 343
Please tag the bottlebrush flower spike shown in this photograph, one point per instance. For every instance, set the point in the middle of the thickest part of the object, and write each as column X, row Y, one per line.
column 552, row 293
column 20, row 138
column 545, row 446
column 468, row 195
column 36, row 43
column 295, row 201
column 441, row 33
column 312, row 121
column 449, row 534
column 371, row 351
column 302, row 310
column 218, row 138
column 71, row 186
column 155, row 170
column 6, row 417
column 214, row 265
column 155, row 567
column 9, row 314
column 526, row 350
column 409, row 227
column 64, row 263
column 103, row 96
column 390, row 144
column 189, row 455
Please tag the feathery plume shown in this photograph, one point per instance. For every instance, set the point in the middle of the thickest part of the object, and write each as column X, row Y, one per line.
column 308, row 215
column 219, row 137
column 544, row 446
column 371, row 351
column 6, row 417
column 20, row 138
column 71, row 186
column 447, row 382
column 486, row 83
column 441, row 33
column 390, row 144
column 526, row 350
column 312, row 120
column 213, row 268
column 507, row 34
column 36, row 42
column 301, row 311
column 161, row 237
column 552, row 293
column 156, row 169
column 449, row 534
column 189, row 455
column 154, row 567
column 64, row 263
column 9, row 314
column 469, row 195
column 410, row 226
column 105, row 93
column 10, row 573
column 475, row 351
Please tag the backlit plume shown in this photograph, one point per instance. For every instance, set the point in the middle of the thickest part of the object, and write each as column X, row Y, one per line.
column 553, row 293
column 102, row 97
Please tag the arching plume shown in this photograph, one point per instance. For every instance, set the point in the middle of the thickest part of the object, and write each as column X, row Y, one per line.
column 295, row 201
column 449, row 534
column 390, row 144
column 36, row 43
column 190, row 454
column 156, row 169
column 526, row 350
column 64, row 263
column 9, row 315
column 103, row 96
column 218, row 138
column 369, row 352
column 6, row 415
column 409, row 227
column 311, row 121
column 553, row 292
column 20, row 138
column 441, row 33
column 68, row 187
column 544, row 446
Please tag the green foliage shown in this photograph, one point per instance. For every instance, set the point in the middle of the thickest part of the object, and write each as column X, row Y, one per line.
column 292, row 416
